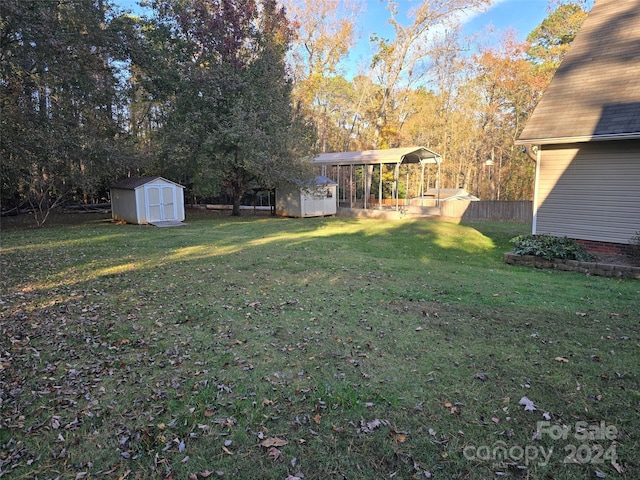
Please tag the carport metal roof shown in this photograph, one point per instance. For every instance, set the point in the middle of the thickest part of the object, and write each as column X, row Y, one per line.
column 420, row 155
column 395, row 156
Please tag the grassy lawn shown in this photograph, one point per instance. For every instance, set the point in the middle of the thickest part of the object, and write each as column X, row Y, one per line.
column 331, row 348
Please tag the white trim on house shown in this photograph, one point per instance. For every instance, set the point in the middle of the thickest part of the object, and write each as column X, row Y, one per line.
column 534, row 222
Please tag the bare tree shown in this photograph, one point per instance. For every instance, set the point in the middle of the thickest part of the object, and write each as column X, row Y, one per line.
column 404, row 58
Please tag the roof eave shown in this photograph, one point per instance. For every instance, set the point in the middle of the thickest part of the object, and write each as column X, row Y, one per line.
column 578, row 139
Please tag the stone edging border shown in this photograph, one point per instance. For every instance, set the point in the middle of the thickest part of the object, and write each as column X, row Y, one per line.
column 589, row 268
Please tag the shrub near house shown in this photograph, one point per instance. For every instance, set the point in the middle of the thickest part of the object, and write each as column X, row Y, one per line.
column 550, row 247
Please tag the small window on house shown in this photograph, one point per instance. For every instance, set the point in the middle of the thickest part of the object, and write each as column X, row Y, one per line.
column 329, row 193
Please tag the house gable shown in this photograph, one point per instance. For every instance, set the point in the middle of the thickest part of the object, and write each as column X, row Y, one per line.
column 595, row 93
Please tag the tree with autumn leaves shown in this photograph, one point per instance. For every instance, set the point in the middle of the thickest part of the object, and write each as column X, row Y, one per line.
column 230, row 123
column 425, row 89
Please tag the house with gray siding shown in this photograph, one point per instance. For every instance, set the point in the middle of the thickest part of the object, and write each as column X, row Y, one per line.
column 585, row 134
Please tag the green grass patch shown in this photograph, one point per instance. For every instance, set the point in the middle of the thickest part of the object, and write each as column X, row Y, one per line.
column 362, row 348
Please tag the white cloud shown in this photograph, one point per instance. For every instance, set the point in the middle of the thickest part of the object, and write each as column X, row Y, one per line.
column 470, row 15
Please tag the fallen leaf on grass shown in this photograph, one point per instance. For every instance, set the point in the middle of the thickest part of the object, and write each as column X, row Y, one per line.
column 226, row 422
column 226, row 450
column 401, row 437
column 276, row 454
column 618, row 467
column 368, row 427
column 454, row 408
column 528, row 404
column 273, row 442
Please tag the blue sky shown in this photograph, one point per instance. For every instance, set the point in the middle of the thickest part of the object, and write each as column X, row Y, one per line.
column 520, row 15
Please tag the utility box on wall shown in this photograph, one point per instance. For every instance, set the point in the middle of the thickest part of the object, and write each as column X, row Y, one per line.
column 147, row 200
column 313, row 199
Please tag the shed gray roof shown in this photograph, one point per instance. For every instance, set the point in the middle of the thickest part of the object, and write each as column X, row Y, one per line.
column 131, row 183
column 375, row 157
column 595, row 93
column 322, row 180
column 318, row 181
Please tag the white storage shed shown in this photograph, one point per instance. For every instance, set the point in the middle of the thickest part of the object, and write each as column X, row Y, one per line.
column 313, row 199
column 147, row 200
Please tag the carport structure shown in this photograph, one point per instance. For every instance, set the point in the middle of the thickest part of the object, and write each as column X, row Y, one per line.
column 354, row 171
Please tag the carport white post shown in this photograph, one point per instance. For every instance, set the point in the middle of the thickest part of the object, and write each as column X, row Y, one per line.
column 438, row 160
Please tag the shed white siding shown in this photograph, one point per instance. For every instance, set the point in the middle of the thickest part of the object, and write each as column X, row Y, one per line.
column 319, row 202
column 295, row 201
column 145, row 200
column 589, row 191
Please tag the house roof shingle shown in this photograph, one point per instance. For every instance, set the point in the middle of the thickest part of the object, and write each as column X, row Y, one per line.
column 595, row 93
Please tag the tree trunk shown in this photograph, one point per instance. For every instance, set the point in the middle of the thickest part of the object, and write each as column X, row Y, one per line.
column 235, row 211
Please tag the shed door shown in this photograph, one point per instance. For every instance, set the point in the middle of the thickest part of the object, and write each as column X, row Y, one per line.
column 161, row 203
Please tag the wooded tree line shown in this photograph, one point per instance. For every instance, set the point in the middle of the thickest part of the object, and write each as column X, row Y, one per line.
column 226, row 95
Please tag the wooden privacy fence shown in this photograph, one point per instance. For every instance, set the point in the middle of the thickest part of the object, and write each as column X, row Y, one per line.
column 488, row 210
